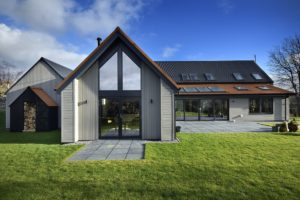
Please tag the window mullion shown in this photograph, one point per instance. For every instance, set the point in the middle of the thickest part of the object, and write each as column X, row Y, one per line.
column 120, row 70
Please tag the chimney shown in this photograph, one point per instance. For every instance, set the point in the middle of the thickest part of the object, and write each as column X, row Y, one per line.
column 99, row 40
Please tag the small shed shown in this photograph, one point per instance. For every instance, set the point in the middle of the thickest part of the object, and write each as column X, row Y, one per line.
column 34, row 110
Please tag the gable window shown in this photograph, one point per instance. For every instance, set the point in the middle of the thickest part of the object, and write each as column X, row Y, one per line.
column 209, row 76
column 261, row 105
column 131, row 74
column 238, row 76
column 256, row 76
column 108, row 74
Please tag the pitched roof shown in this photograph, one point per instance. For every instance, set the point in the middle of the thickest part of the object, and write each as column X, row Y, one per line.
column 59, row 69
column 90, row 59
column 221, row 70
column 44, row 96
column 230, row 88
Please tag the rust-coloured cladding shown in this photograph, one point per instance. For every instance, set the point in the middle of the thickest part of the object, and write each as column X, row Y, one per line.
column 230, row 89
column 44, row 96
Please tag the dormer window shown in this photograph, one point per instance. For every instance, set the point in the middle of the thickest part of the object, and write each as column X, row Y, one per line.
column 209, row 76
column 238, row 76
column 256, row 76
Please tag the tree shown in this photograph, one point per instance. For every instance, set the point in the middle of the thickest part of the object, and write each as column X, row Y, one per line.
column 7, row 76
column 285, row 63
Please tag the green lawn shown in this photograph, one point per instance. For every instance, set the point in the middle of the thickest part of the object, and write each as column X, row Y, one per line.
column 203, row 166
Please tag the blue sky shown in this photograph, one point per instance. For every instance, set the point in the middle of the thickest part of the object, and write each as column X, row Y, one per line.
column 65, row 31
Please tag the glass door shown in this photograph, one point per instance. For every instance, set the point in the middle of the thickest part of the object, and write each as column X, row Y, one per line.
column 119, row 117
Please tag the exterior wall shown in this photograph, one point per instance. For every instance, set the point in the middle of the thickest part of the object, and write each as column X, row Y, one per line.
column 238, row 106
column 167, row 112
column 88, row 115
column 150, row 111
column 67, row 114
column 39, row 76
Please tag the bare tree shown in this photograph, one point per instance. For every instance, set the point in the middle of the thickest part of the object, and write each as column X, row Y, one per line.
column 7, row 76
column 285, row 63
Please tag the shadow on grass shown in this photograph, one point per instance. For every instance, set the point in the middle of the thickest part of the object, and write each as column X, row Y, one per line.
column 287, row 133
column 7, row 137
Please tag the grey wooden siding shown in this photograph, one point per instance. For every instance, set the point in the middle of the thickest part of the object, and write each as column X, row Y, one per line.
column 39, row 76
column 67, row 114
column 150, row 111
column 238, row 106
column 88, row 116
column 167, row 112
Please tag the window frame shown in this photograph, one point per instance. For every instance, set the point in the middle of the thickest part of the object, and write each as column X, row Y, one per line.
column 261, row 105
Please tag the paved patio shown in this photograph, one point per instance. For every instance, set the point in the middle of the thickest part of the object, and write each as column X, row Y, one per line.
column 220, row 127
column 111, row 150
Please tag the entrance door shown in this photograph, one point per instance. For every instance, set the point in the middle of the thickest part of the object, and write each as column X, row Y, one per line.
column 120, row 118
column 29, row 116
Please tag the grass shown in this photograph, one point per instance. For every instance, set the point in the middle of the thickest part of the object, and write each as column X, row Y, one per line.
column 201, row 166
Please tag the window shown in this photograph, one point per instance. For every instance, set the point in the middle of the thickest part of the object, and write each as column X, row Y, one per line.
column 131, row 74
column 185, row 77
column 238, row 76
column 264, row 87
column 194, row 77
column 261, row 105
column 108, row 74
column 241, row 88
column 216, row 89
column 209, row 76
column 256, row 76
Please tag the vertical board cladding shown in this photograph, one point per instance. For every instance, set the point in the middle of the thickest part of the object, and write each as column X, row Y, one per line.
column 88, row 116
column 167, row 112
column 41, row 75
column 67, row 114
column 240, row 106
column 151, row 126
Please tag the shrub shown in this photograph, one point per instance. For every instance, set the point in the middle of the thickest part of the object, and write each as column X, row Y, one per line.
column 293, row 126
column 282, row 127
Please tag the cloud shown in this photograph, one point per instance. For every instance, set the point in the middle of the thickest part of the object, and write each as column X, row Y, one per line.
column 24, row 48
column 226, row 6
column 170, row 51
column 102, row 16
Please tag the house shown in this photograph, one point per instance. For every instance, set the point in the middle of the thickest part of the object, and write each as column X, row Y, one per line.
column 120, row 92
column 32, row 102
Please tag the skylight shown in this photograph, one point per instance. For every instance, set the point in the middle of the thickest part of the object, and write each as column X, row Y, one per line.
column 194, row 77
column 190, row 90
column 240, row 88
column 238, row 76
column 209, row 76
column 264, row 87
column 256, row 76
column 216, row 89
column 185, row 77
column 202, row 89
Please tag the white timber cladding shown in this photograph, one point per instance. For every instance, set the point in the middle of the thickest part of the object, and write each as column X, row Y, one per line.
column 240, row 106
column 88, row 112
column 76, row 112
column 167, row 113
column 67, row 114
column 41, row 75
column 150, row 104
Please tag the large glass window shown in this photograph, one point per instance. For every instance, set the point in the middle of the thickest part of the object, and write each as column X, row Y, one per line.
column 179, row 110
column 261, row 105
column 221, row 109
column 191, row 109
column 206, row 110
column 131, row 74
column 108, row 74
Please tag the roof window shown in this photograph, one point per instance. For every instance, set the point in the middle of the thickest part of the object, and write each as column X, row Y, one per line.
column 256, row 76
column 241, row 88
column 209, row 76
column 238, row 76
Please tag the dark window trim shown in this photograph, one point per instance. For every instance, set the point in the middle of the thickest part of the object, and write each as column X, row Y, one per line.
column 261, row 105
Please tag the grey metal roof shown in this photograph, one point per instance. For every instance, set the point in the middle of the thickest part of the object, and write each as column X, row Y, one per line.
column 221, row 70
column 61, row 70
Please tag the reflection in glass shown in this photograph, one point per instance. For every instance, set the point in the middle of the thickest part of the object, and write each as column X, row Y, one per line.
column 206, row 110
column 109, row 118
column 108, row 74
column 130, row 118
column 221, row 109
column 191, row 109
column 179, row 110
column 131, row 74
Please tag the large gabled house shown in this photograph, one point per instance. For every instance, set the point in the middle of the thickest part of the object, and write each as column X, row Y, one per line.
column 120, row 92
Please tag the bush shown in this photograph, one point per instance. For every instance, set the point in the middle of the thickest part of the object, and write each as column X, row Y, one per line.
column 293, row 126
column 282, row 127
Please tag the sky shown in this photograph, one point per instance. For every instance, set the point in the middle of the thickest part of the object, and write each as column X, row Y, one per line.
column 65, row 31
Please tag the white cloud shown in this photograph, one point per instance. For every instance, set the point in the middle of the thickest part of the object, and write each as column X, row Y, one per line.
column 226, row 6
column 170, row 51
column 102, row 16
column 24, row 48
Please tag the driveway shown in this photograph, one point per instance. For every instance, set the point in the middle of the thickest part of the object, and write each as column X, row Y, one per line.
column 220, row 127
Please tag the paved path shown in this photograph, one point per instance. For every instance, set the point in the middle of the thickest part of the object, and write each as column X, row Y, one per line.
column 220, row 126
column 111, row 150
